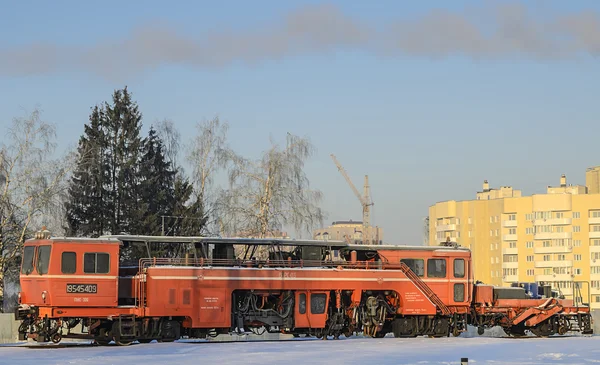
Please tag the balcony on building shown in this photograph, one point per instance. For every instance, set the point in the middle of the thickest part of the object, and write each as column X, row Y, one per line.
column 592, row 220
column 509, row 237
column 554, row 249
column 509, row 223
column 594, row 234
column 553, row 277
column 510, row 278
column 510, row 251
column 595, row 291
column 445, row 227
column 552, row 235
column 594, row 248
column 552, row 222
column 554, row 263
column 510, row 265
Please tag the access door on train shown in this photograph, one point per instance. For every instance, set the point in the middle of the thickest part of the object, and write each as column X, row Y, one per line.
column 311, row 309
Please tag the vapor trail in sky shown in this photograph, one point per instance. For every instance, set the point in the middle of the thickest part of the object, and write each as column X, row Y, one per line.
column 488, row 32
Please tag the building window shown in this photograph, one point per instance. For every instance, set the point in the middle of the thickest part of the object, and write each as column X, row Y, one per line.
column 576, row 215
column 594, row 213
column 577, row 257
column 529, row 230
column 595, row 269
column 559, row 215
column 530, row 258
column 560, row 229
column 512, row 245
column 529, row 244
column 529, row 216
column 547, row 258
column 512, row 231
column 491, row 233
column 530, row 272
column 512, row 217
column 577, row 271
column 595, row 242
column 492, row 260
column 577, row 243
column 546, row 244
column 595, row 228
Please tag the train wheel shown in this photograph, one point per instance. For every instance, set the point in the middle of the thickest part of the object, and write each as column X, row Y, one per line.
column 104, row 337
column 543, row 329
column 123, row 342
column 55, row 338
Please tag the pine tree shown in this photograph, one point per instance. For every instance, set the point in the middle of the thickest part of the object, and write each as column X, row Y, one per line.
column 189, row 210
column 86, row 208
column 122, row 125
column 156, row 185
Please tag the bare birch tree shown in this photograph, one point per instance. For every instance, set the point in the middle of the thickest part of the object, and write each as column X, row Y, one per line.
column 33, row 185
column 273, row 192
column 209, row 153
column 171, row 139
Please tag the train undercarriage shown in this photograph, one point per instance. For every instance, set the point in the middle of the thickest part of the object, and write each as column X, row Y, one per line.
column 344, row 312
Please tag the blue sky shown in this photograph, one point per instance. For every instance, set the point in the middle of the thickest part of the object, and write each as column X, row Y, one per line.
column 424, row 129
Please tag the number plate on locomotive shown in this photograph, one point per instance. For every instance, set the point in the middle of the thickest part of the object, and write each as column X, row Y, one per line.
column 82, row 288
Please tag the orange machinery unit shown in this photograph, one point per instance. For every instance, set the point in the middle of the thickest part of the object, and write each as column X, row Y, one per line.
column 212, row 286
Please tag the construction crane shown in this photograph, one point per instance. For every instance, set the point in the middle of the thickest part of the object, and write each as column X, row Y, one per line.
column 365, row 199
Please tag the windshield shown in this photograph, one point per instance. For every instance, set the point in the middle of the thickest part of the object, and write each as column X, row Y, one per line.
column 27, row 266
column 43, row 259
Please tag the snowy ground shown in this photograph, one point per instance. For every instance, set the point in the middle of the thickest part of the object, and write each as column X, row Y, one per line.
column 354, row 350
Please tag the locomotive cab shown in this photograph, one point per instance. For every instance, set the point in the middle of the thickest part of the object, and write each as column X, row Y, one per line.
column 69, row 273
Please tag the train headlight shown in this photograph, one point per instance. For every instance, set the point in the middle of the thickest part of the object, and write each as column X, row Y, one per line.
column 44, row 296
column 19, row 297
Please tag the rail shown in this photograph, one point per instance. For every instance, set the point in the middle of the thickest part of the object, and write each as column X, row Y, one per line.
column 364, row 265
column 201, row 262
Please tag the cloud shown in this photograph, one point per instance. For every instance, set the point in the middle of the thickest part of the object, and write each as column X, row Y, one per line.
column 490, row 32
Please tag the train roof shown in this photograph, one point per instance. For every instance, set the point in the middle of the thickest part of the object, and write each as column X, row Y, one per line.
column 354, row 247
column 229, row 240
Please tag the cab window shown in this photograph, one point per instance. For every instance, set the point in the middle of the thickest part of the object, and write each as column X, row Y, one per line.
column 43, row 259
column 96, row 263
column 436, row 268
column 68, row 263
column 459, row 268
column 416, row 265
column 28, row 255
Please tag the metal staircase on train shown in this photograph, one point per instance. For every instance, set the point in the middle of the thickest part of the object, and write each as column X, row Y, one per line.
column 424, row 288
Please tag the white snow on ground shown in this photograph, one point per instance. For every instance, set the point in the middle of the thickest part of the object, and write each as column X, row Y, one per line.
column 354, row 350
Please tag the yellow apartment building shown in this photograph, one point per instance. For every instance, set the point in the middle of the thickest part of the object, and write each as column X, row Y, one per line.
column 552, row 238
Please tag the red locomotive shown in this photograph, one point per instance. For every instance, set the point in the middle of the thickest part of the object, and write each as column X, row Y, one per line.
column 208, row 286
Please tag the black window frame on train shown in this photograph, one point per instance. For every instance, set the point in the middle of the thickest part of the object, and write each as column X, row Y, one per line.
column 42, row 262
column 412, row 267
column 459, row 296
column 86, row 263
column 68, row 266
column 318, row 303
column 463, row 268
column 28, row 265
column 435, row 273
column 302, row 303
